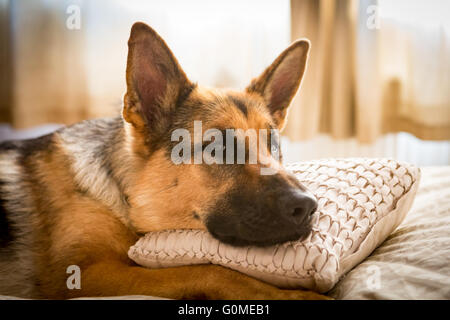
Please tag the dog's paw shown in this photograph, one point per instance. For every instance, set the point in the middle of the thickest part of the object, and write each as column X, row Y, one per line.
column 239, row 286
column 226, row 284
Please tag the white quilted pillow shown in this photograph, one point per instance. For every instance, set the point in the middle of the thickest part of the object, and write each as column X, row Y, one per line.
column 361, row 201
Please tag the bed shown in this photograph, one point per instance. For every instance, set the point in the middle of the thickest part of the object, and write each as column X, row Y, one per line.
column 413, row 263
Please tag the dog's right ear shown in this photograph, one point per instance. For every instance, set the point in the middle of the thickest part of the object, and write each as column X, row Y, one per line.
column 155, row 81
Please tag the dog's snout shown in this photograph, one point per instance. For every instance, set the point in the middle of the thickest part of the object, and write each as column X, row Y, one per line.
column 279, row 215
column 300, row 205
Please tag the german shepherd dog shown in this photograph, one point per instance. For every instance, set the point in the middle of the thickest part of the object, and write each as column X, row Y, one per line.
column 85, row 193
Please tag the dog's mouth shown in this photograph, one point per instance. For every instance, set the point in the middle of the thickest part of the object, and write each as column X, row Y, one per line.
column 241, row 242
column 265, row 238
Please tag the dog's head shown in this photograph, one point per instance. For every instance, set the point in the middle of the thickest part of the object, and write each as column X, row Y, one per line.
column 174, row 126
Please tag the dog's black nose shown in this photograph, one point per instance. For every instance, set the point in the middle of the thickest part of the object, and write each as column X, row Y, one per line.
column 299, row 206
column 278, row 216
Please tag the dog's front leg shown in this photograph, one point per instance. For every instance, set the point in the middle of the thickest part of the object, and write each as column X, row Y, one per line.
column 188, row 282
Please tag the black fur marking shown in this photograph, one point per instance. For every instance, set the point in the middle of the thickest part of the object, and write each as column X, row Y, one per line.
column 6, row 229
column 31, row 146
column 24, row 148
column 240, row 104
column 9, row 145
column 185, row 94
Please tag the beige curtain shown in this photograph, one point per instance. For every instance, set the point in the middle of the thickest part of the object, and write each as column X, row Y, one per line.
column 51, row 73
column 45, row 81
column 361, row 82
column 369, row 74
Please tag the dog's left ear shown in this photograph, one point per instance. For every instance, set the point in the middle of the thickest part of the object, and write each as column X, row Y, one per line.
column 280, row 81
column 155, row 81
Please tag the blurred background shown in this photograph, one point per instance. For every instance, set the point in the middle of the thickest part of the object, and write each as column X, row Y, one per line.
column 377, row 83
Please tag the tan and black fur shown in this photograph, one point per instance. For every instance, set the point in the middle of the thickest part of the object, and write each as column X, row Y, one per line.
column 84, row 194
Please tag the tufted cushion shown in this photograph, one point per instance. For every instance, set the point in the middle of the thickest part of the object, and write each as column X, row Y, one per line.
column 361, row 201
